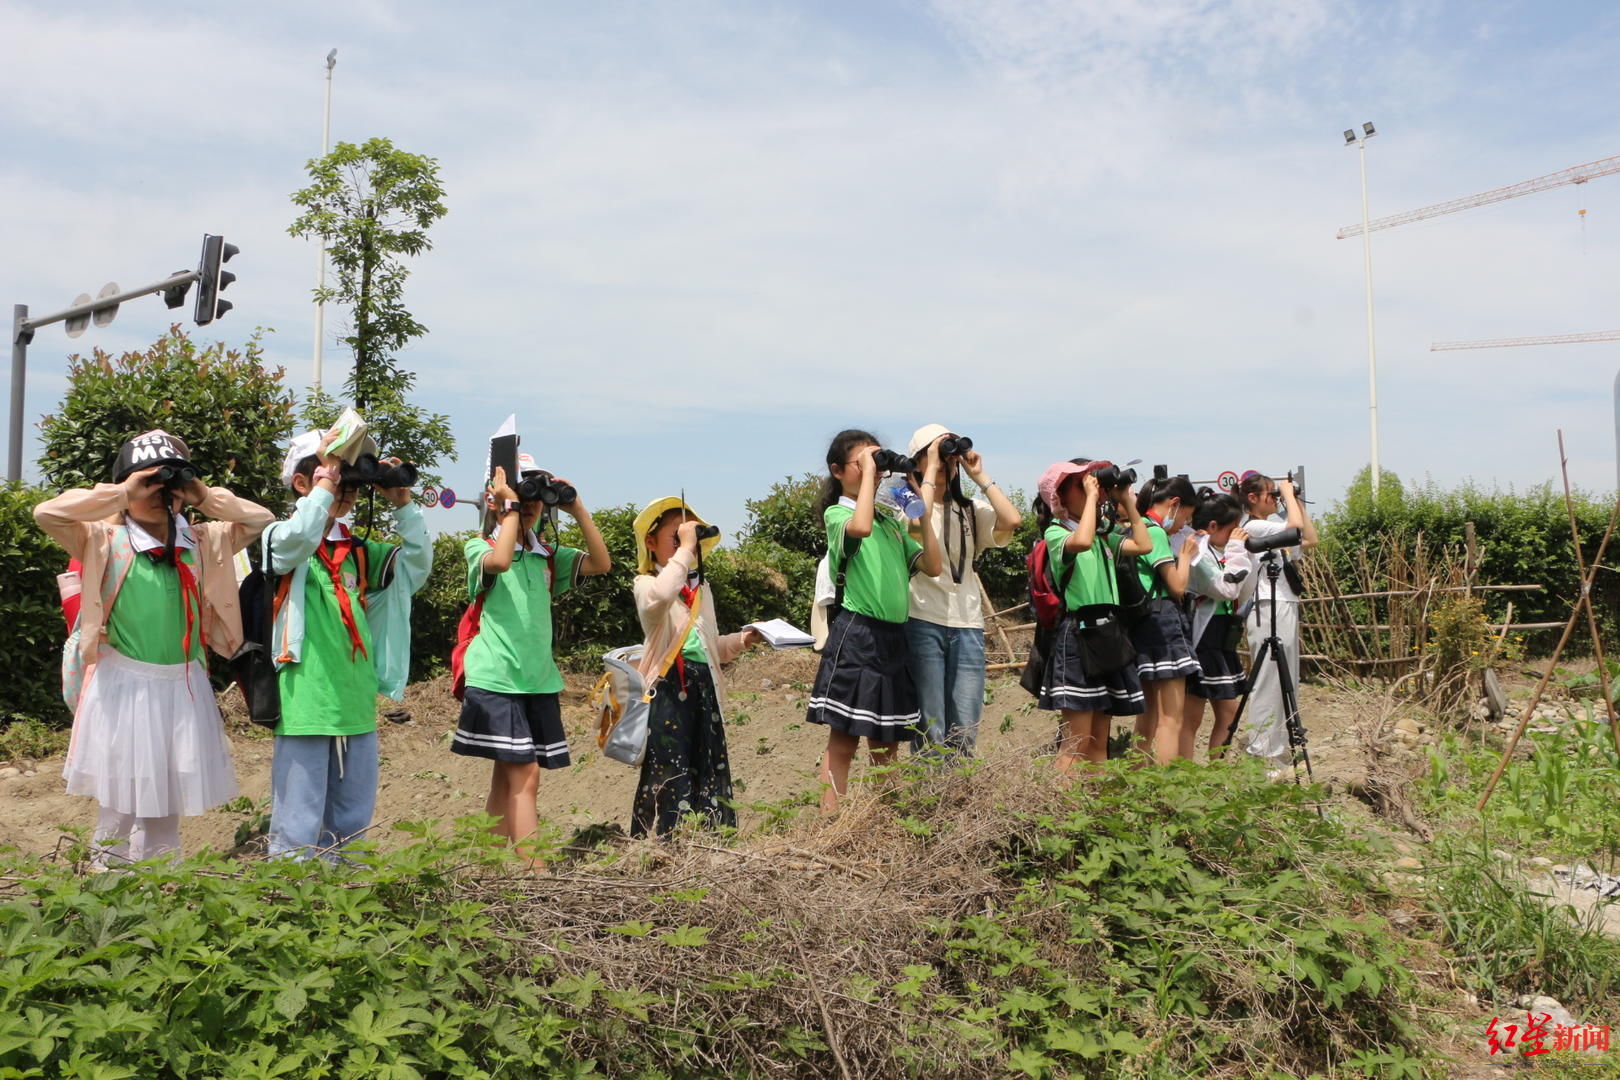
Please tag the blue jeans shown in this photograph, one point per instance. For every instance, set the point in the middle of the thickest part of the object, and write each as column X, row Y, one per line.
column 317, row 798
column 947, row 665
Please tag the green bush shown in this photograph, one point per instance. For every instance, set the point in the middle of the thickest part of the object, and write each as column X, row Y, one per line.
column 1523, row 538
column 760, row 580
column 256, row 970
column 235, row 415
column 1148, row 924
column 31, row 627
column 789, row 516
column 600, row 613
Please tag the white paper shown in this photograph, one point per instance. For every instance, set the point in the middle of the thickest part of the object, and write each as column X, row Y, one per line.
column 781, row 634
column 353, row 439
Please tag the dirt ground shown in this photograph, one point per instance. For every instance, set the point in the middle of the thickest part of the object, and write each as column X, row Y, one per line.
column 774, row 755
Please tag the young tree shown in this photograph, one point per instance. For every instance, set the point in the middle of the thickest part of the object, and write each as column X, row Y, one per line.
column 372, row 205
column 234, row 414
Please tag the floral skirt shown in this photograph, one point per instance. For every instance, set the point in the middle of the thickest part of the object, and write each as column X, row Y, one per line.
column 685, row 770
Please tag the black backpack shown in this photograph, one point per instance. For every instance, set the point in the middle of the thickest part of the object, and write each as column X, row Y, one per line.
column 1134, row 601
column 254, row 666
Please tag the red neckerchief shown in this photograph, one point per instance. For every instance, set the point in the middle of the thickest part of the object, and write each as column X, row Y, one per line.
column 687, row 592
column 332, row 554
column 1157, row 520
column 190, row 596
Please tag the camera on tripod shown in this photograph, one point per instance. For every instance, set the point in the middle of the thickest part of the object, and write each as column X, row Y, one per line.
column 1286, row 538
column 541, row 487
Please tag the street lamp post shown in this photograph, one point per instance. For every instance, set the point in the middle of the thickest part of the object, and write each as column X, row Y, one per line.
column 1360, row 143
column 320, row 243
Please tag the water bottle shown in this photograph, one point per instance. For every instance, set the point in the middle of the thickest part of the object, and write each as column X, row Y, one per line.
column 908, row 502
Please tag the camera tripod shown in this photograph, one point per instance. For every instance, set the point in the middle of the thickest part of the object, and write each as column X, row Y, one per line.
column 1272, row 648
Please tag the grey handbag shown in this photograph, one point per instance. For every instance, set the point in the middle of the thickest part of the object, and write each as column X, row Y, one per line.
column 627, row 741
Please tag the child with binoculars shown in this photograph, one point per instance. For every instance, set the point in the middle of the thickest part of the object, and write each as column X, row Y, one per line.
column 511, row 710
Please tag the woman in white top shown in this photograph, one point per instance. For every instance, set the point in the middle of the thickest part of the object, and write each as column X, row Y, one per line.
column 945, row 624
column 1267, row 726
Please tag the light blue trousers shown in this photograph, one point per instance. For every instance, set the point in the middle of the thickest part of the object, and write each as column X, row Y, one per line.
column 322, row 792
column 947, row 666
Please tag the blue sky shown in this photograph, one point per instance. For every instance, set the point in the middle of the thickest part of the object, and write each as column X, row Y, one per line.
column 688, row 242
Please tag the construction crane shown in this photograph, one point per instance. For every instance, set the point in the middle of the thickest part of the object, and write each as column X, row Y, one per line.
column 1545, row 339
column 1580, row 174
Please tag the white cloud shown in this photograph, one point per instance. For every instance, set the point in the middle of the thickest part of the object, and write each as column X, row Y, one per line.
column 1100, row 223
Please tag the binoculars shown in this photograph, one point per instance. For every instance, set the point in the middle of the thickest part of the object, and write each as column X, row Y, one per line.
column 541, row 487
column 369, row 470
column 892, row 461
column 1111, row 476
column 175, row 475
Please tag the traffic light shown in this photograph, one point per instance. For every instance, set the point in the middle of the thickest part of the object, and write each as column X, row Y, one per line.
column 175, row 295
column 212, row 280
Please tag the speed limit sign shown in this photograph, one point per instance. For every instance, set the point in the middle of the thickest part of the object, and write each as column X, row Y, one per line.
column 1227, row 481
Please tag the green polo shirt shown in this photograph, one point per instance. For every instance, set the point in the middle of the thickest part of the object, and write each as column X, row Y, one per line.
column 1093, row 579
column 148, row 619
column 1147, row 566
column 512, row 652
column 877, row 580
column 332, row 690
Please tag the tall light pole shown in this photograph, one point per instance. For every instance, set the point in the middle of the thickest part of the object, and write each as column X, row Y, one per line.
column 1360, row 143
column 320, row 244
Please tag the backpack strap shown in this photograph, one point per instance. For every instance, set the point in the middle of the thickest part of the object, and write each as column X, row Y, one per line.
column 852, row 544
column 361, row 559
column 1063, row 582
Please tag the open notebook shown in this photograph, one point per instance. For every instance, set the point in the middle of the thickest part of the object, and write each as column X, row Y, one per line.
column 781, row 634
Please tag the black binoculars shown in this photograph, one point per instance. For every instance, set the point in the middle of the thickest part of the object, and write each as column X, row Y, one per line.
column 892, row 461
column 1111, row 476
column 706, row 532
column 175, row 475
column 541, row 487
column 369, row 470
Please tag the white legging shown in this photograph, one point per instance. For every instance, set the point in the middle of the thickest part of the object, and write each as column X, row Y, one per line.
column 125, row 838
column 1264, row 718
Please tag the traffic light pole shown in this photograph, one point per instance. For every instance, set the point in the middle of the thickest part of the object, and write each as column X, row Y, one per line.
column 22, row 332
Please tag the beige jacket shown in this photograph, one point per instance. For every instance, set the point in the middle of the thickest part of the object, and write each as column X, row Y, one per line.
column 663, row 616
column 83, row 521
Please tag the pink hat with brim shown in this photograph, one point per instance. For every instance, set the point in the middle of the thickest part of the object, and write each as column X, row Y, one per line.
column 1052, row 479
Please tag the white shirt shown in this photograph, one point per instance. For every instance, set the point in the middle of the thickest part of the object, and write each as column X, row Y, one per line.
column 531, row 542
column 141, row 540
column 964, row 534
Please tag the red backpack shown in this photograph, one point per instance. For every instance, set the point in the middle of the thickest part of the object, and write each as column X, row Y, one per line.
column 466, row 630
column 1045, row 600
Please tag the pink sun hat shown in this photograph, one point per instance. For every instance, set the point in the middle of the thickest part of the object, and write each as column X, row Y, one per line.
column 1052, row 479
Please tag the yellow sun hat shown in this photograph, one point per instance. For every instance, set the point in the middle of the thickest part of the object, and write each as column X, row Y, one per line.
column 648, row 520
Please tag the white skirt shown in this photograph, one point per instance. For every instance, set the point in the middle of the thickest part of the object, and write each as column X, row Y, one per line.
column 148, row 739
